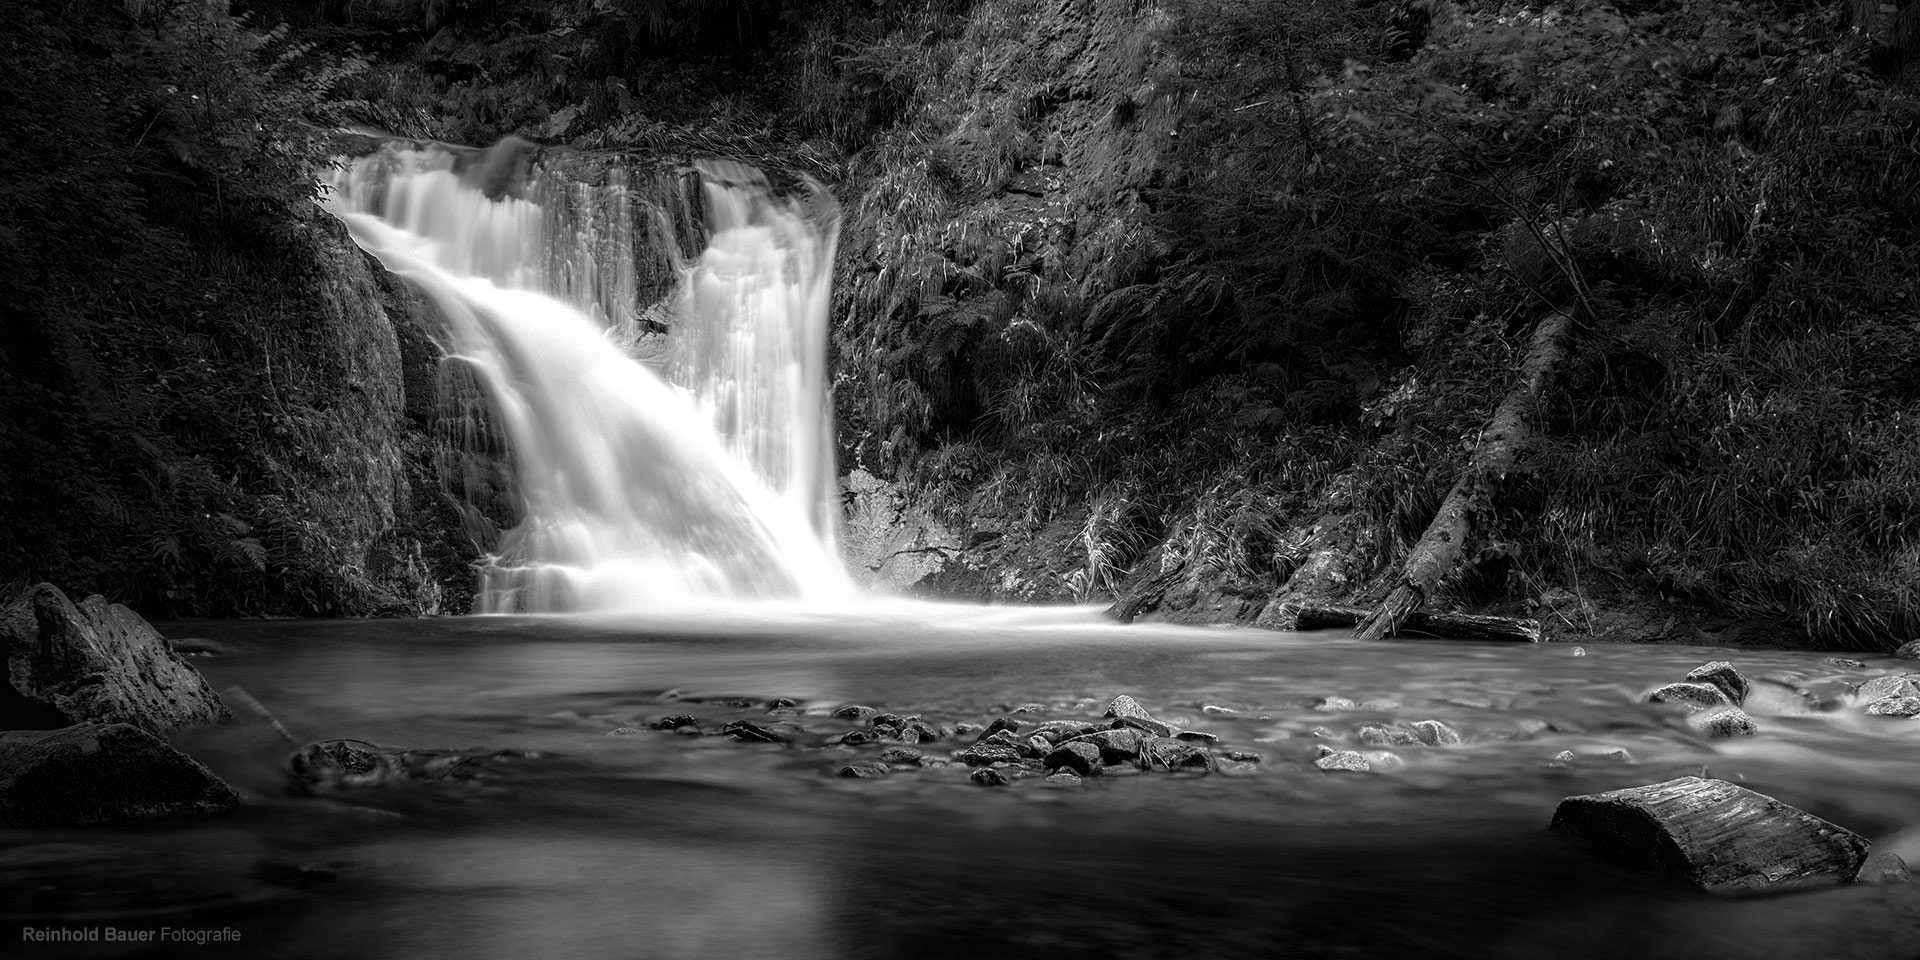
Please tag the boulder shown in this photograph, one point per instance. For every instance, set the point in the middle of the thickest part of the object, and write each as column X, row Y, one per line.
column 1895, row 707
column 95, row 662
column 1079, row 756
column 1908, row 651
column 1720, row 837
column 1721, row 674
column 1880, row 688
column 1693, row 695
column 1434, row 733
column 101, row 773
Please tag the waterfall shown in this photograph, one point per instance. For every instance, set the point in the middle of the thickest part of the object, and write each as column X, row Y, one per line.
column 654, row 471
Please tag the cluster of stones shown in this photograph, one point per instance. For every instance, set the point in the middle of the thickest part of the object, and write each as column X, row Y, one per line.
column 1421, row 733
column 90, row 690
column 1712, row 695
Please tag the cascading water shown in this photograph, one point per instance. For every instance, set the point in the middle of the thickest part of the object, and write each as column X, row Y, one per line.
column 639, row 491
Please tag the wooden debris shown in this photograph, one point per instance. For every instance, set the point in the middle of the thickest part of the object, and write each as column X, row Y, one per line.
column 1720, row 837
column 1445, row 626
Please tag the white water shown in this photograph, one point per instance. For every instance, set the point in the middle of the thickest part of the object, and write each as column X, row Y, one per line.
column 639, row 492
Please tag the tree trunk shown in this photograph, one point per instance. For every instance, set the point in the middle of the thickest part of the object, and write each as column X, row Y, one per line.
column 1446, row 626
column 1442, row 547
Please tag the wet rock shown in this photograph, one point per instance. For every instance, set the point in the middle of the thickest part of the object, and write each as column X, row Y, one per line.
column 1079, row 756
column 856, row 738
column 1117, row 746
column 1384, row 759
column 1433, row 733
column 1335, row 705
column 101, row 773
column 1380, row 705
column 782, row 703
column 1167, row 753
column 1026, row 747
column 625, row 732
column 902, row 756
column 1147, row 725
column 982, row 754
column 989, row 777
column 1721, row 674
column 1243, row 756
column 1880, row 688
column 1376, row 735
column 1066, row 777
column 1124, row 706
column 1694, row 695
column 1895, row 707
column 199, row 647
column 1770, row 696
column 862, row 769
column 1195, row 736
column 747, row 730
column 96, row 662
column 1883, row 867
column 674, row 722
column 1564, row 756
column 1908, row 651
column 1846, row 663
column 1218, row 711
column 1056, row 731
column 854, row 711
column 1720, row 837
column 1343, row 761
column 341, row 765
column 1029, row 708
column 1723, row 724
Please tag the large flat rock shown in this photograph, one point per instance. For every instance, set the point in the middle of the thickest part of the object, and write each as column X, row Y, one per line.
column 95, row 661
column 1718, row 836
column 101, row 773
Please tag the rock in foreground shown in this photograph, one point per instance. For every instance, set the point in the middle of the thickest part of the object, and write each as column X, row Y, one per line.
column 1720, row 837
column 95, row 662
column 101, row 773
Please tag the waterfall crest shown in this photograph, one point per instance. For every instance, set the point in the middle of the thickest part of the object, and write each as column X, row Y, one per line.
column 703, row 475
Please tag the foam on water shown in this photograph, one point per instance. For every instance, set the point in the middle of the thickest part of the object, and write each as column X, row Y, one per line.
column 639, row 491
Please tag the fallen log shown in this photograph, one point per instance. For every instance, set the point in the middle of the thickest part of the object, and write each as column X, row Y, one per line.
column 1720, row 837
column 1443, row 546
column 1444, row 626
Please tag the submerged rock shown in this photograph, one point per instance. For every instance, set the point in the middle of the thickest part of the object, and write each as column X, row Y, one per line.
column 1343, row 761
column 748, row 730
column 1379, row 735
column 95, row 662
column 101, row 773
column 1723, row 724
column 902, row 755
column 331, row 765
column 989, row 777
column 1884, row 867
column 862, row 769
column 1720, row 837
column 1722, row 675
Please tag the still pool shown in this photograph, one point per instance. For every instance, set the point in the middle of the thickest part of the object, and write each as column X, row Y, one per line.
column 584, row 843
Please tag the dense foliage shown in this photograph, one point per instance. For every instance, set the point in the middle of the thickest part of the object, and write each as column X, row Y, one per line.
column 1209, row 290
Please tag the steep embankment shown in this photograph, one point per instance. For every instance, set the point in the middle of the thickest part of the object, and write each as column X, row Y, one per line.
column 201, row 385
column 1221, row 307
